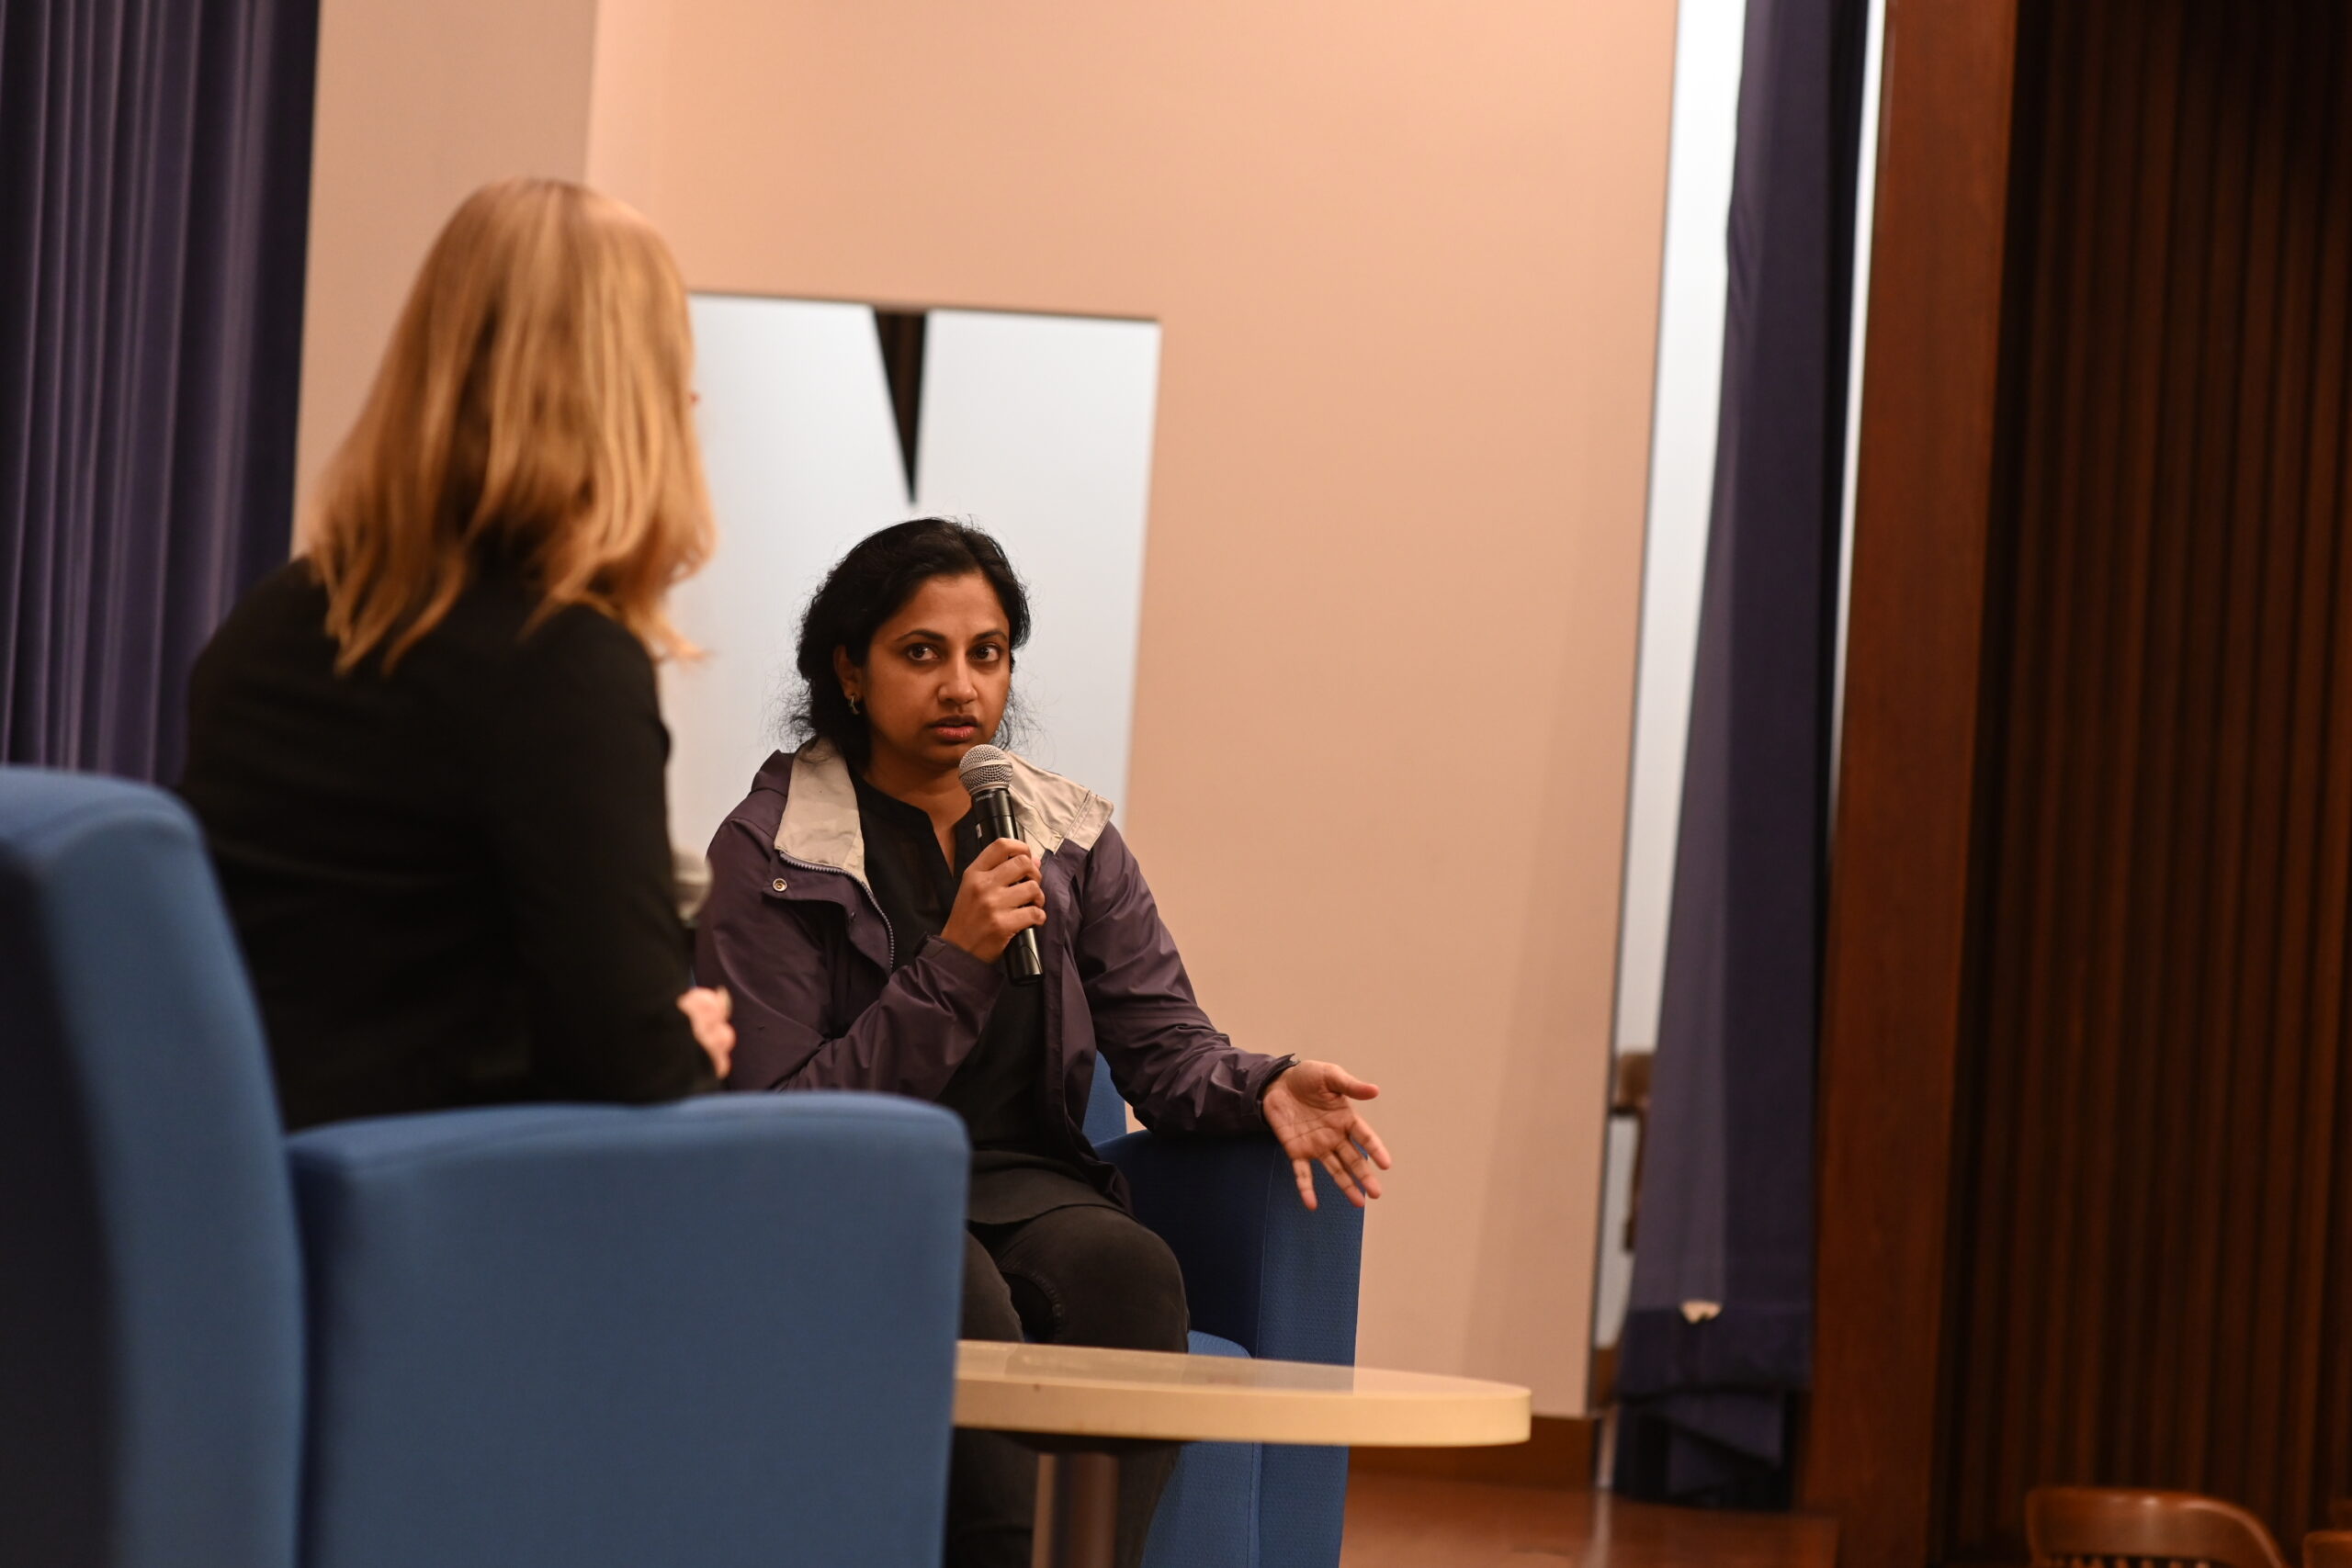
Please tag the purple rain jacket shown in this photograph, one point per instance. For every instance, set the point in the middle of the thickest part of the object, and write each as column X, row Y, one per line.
column 792, row 930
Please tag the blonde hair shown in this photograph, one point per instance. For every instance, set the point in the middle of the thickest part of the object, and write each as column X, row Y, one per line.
column 533, row 406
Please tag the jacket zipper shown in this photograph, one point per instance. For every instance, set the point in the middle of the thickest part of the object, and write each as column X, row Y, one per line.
column 889, row 937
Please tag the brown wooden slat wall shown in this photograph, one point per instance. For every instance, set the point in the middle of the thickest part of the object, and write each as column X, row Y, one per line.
column 2151, row 1264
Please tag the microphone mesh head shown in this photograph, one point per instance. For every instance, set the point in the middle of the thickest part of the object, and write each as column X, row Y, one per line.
column 986, row 767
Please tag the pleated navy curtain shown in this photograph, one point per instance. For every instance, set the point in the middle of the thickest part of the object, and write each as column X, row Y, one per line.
column 155, row 192
column 1718, row 1336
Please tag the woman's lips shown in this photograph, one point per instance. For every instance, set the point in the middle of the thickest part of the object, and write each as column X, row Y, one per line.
column 954, row 729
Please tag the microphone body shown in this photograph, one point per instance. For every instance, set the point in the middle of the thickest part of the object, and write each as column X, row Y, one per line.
column 984, row 777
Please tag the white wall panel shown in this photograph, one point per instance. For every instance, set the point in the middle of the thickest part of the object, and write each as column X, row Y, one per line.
column 803, row 459
column 1038, row 428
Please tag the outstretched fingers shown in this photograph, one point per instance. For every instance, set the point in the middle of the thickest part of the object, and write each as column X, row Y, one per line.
column 1360, row 1166
column 1305, row 1175
column 1343, row 1178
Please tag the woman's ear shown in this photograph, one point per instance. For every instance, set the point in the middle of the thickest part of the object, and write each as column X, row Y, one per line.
column 848, row 674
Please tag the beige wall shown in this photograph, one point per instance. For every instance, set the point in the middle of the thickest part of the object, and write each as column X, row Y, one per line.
column 1406, row 256
column 419, row 102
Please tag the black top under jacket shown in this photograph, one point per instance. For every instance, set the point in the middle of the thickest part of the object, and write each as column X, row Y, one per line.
column 1017, row 1171
column 453, row 883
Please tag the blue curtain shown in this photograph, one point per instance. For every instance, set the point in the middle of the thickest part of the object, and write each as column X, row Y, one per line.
column 154, row 193
column 1718, row 1339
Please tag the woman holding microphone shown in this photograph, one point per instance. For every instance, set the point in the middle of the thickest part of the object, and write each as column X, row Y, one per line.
column 426, row 753
column 858, row 914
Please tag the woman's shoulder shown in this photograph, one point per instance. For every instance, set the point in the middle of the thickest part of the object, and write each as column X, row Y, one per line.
column 278, row 627
column 292, row 585
column 289, row 597
column 751, row 827
column 1056, row 810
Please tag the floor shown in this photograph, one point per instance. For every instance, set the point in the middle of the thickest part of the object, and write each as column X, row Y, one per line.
column 1398, row 1522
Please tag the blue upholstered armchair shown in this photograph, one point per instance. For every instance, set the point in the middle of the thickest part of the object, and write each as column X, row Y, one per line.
column 1265, row 1276
column 718, row 1333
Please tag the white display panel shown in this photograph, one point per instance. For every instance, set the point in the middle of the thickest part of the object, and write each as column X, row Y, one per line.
column 1037, row 428
column 803, row 460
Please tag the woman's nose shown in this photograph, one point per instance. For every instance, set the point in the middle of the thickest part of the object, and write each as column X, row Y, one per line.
column 960, row 686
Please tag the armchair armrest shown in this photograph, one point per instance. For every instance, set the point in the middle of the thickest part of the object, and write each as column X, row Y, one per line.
column 721, row 1332
column 1260, row 1269
column 1278, row 1278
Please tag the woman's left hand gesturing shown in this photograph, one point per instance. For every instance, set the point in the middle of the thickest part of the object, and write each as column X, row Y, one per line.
column 1311, row 1109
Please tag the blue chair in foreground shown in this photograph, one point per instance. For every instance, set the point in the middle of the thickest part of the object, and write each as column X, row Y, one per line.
column 718, row 1333
column 1265, row 1276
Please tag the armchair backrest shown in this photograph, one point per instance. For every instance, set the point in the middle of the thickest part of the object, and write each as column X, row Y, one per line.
column 718, row 1333
column 1106, row 1113
column 149, row 1291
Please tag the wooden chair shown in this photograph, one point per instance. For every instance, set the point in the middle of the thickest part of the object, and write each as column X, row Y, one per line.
column 2328, row 1549
column 2100, row 1527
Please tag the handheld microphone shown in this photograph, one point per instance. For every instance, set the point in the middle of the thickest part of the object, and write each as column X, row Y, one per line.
column 987, row 773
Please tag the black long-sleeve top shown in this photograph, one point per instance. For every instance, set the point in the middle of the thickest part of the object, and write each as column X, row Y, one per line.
column 1020, row 1169
column 453, row 883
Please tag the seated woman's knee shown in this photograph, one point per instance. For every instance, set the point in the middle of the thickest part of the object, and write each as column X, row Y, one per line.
column 989, row 1311
column 1111, row 1280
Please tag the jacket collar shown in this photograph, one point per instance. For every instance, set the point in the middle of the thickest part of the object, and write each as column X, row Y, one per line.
column 819, row 823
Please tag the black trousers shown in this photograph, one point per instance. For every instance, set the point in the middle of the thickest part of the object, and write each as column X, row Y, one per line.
column 1085, row 1275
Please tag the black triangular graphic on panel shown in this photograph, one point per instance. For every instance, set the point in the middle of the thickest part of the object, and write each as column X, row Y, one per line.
column 902, row 332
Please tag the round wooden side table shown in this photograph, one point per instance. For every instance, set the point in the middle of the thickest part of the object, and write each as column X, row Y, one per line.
column 1081, row 1406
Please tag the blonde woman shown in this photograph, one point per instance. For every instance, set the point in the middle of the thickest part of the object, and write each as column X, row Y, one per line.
column 427, row 752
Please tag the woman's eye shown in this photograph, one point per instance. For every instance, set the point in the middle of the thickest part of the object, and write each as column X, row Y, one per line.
column 920, row 654
column 987, row 655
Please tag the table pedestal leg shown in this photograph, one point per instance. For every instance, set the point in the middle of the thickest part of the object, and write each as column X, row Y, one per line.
column 1079, row 1525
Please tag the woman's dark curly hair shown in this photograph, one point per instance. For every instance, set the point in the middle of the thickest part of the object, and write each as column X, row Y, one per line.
column 869, row 585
